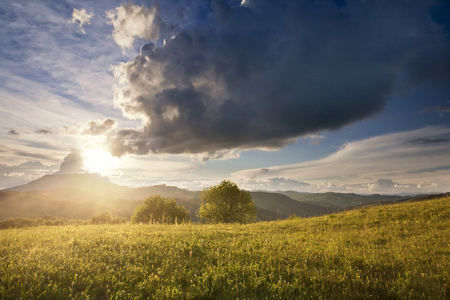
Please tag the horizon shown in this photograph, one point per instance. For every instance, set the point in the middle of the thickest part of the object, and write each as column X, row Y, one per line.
column 313, row 97
column 174, row 186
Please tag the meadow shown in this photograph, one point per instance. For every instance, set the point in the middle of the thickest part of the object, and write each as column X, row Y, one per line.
column 399, row 251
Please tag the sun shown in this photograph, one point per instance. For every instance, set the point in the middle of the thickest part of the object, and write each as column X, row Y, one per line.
column 99, row 161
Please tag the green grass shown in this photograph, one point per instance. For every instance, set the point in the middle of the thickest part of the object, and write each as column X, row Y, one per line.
column 397, row 251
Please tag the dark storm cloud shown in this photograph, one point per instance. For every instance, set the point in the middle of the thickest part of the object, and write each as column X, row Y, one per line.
column 264, row 73
column 72, row 163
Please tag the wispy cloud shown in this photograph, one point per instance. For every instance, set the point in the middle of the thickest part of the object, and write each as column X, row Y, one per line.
column 51, row 77
column 69, row 65
column 428, row 140
column 34, row 155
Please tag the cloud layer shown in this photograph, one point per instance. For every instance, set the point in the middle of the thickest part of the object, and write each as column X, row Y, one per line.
column 412, row 161
column 261, row 74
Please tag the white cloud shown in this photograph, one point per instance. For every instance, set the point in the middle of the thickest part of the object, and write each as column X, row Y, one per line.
column 73, row 163
column 81, row 17
column 415, row 161
column 14, row 174
column 93, row 127
column 316, row 139
column 132, row 21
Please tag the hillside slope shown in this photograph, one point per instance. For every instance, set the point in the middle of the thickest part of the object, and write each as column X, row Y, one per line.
column 397, row 251
column 341, row 200
column 275, row 206
column 47, row 203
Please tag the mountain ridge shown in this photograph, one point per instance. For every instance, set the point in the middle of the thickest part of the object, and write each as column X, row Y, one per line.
column 86, row 194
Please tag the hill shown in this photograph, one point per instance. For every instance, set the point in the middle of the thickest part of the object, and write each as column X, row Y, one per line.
column 273, row 206
column 341, row 200
column 398, row 251
column 47, row 203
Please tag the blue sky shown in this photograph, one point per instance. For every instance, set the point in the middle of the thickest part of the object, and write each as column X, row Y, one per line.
column 313, row 96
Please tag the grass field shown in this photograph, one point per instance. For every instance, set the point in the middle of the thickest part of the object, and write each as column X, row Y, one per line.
column 399, row 251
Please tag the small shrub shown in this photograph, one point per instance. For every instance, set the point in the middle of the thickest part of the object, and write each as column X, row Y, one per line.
column 102, row 218
column 106, row 218
column 157, row 209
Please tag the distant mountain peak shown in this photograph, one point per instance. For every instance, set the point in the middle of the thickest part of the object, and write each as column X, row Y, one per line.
column 82, row 181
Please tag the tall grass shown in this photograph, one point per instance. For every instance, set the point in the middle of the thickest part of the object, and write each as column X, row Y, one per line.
column 388, row 252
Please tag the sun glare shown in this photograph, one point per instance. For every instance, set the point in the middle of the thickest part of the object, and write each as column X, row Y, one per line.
column 99, row 161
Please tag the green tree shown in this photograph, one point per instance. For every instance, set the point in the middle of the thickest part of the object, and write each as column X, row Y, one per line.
column 226, row 203
column 157, row 209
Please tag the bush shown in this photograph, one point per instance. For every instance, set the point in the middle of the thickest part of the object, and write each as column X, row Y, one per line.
column 24, row 222
column 102, row 218
column 105, row 218
column 157, row 209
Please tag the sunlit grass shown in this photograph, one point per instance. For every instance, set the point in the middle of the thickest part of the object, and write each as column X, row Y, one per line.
column 389, row 252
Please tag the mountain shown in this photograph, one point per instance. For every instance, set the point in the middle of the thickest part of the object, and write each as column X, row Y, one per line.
column 81, row 196
column 85, row 181
column 97, row 188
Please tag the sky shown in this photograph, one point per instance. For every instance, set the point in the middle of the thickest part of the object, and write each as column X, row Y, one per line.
column 307, row 95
